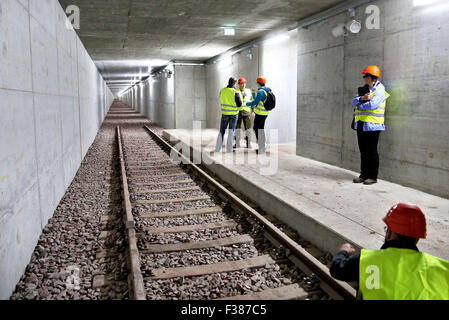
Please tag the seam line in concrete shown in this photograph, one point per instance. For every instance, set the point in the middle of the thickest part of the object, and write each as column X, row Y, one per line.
column 20, row 4
column 319, row 50
column 342, row 144
column 37, row 92
column 60, row 112
column 34, row 122
column 79, row 101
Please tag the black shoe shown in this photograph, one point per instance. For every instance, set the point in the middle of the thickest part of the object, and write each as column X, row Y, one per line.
column 358, row 180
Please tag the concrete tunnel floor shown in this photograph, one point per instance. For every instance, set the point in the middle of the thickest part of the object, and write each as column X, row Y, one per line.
column 316, row 199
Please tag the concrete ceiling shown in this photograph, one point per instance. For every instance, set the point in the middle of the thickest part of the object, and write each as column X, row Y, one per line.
column 126, row 38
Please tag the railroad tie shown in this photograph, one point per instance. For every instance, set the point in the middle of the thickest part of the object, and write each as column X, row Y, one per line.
column 175, row 200
column 168, row 190
column 180, row 174
column 162, row 183
column 144, row 163
column 290, row 292
column 183, row 213
column 223, row 242
column 228, row 266
column 194, row 227
column 154, row 169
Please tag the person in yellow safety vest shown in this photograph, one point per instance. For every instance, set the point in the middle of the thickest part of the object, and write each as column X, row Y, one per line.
column 244, row 115
column 261, row 114
column 230, row 102
column 369, row 121
column 398, row 271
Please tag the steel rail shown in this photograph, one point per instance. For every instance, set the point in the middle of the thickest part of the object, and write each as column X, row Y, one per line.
column 336, row 289
column 137, row 287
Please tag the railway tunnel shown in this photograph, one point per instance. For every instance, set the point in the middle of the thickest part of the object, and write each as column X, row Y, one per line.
column 113, row 185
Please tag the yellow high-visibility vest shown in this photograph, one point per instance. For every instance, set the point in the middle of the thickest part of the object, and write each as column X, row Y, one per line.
column 402, row 274
column 227, row 101
column 246, row 97
column 373, row 116
column 260, row 108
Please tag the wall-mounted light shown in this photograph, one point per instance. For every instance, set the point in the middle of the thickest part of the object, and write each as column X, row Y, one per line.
column 229, row 31
column 168, row 73
column 249, row 56
column 188, row 64
column 340, row 30
column 277, row 39
column 420, row 3
column 354, row 26
column 226, row 62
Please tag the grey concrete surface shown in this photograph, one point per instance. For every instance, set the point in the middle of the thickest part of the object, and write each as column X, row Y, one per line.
column 278, row 63
column 316, row 199
column 53, row 101
column 183, row 29
column 190, row 93
column 172, row 102
column 127, row 39
column 412, row 49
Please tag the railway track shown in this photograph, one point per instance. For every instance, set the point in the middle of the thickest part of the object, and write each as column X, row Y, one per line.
column 190, row 238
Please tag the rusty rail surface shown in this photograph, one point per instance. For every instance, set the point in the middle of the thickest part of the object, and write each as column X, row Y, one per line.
column 336, row 289
column 137, row 288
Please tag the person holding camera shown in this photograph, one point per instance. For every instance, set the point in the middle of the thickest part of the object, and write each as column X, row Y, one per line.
column 369, row 121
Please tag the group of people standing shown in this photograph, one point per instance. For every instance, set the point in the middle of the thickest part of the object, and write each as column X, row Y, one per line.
column 237, row 106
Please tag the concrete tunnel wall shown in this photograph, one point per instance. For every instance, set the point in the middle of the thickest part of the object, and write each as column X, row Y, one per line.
column 192, row 94
column 52, row 102
column 173, row 102
column 278, row 63
column 412, row 50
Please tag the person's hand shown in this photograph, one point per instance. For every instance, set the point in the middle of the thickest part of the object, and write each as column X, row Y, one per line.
column 366, row 97
column 253, row 90
column 348, row 248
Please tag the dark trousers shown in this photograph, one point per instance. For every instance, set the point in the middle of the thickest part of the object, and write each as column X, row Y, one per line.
column 226, row 121
column 368, row 141
column 245, row 118
column 259, row 129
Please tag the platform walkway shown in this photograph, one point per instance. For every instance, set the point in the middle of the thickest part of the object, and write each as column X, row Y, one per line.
column 316, row 199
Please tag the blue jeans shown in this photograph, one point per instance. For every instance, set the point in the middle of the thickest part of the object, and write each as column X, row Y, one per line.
column 226, row 121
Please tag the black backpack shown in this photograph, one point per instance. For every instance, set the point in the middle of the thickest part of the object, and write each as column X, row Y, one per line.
column 270, row 104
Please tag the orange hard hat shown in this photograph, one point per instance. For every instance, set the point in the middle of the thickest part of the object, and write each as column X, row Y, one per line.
column 373, row 70
column 407, row 220
column 242, row 80
column 262, row 80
